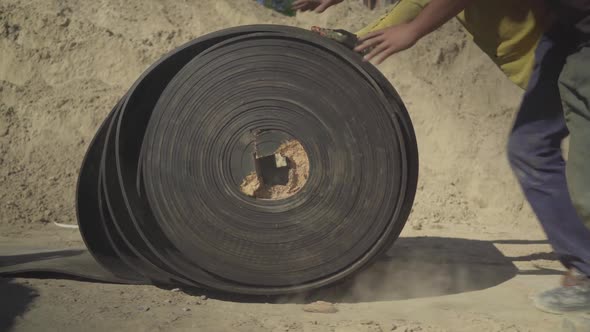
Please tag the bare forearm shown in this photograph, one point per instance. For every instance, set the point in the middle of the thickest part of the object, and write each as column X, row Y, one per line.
column 435, row 14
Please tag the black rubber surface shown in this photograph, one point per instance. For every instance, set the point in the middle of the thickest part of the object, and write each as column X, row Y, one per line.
column 159, row 196
column 18, row 260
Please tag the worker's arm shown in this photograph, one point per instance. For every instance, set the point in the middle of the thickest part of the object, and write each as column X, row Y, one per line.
column 403, row 12
column 400, row 37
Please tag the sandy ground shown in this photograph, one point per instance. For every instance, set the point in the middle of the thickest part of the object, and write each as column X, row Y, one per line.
column 470, row 257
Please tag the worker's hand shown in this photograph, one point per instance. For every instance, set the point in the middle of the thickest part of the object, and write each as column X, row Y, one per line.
column 318, row 5
column 384, row 43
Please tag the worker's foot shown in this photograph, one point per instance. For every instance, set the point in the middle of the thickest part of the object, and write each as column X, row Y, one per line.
column 573, row 277
column 573, row 296
column 343, row 37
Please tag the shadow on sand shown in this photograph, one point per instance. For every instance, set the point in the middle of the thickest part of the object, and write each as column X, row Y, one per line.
column 429, row 266
column 14, row 301
column 418, row 267
column 414, row 267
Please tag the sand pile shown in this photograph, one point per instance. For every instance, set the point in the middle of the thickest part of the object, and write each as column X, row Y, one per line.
column 64, row 63
column 290, row 157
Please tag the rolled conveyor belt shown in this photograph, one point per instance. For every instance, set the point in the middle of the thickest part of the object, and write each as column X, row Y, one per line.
column 158, row 196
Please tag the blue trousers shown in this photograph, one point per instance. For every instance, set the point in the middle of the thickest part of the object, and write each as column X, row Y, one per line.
column 535, row 155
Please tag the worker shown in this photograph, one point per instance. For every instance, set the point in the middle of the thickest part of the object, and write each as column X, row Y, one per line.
column 282, row 6
column 531, row 49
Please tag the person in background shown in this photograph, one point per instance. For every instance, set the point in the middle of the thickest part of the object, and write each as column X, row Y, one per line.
column 530, row 42
column 282, row 6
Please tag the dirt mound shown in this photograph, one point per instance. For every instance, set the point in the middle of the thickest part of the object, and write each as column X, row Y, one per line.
column 65, row 62
column 293, row 159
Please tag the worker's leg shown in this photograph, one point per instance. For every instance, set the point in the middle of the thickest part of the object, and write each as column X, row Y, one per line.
column 534, row 151
column 574, row 85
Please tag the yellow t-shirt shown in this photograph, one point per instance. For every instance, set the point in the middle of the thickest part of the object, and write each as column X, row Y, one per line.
column 508, row 31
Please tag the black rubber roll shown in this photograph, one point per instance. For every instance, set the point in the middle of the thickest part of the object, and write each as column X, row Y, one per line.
column 159, row 195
